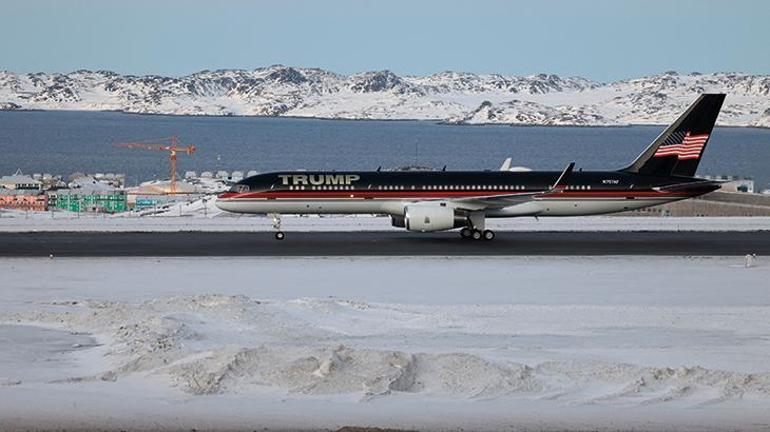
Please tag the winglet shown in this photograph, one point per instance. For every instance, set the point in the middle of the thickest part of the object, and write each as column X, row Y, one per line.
column 506, row 164
column 561, row 183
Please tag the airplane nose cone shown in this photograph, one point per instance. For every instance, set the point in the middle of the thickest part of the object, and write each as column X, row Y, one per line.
column 221, row 202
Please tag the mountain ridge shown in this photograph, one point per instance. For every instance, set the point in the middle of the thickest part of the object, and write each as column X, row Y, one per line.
column 450, row 97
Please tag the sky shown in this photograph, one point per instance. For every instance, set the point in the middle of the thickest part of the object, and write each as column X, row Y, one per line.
column 600, row 40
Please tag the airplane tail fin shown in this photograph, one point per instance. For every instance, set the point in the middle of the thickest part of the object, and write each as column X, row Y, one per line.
column 677, row 151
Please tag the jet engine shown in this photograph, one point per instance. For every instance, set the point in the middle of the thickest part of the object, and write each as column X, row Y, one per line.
column 430, row 217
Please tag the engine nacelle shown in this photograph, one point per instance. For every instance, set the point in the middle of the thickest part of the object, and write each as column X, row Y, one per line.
column 431, row 217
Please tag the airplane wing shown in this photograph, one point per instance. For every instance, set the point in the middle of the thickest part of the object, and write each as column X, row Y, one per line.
column 505, row 200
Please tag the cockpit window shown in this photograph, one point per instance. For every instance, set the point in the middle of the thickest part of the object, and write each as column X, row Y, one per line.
column 239, row 188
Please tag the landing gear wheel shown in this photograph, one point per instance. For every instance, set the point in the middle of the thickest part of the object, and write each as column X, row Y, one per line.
column 476, row 235
column 279, row 235
column 488, row 235
column 466, row 233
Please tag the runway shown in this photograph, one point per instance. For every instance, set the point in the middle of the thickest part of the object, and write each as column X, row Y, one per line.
column 90, row 244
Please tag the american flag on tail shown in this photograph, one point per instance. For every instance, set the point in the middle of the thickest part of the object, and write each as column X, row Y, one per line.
column 683, row 145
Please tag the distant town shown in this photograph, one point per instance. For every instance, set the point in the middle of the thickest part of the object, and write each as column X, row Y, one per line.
column 106, row 192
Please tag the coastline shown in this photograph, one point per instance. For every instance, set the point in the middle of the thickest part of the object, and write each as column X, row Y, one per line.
column 439, row 121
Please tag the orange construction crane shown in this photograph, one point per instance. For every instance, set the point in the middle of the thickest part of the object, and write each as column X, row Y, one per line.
column 162, row 144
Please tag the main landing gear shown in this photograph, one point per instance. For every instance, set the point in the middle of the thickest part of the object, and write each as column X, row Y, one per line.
column 475, row 229
column 470, row 233
column 279, row 235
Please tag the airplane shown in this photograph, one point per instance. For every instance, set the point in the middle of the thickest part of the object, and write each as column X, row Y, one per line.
column 428, row 201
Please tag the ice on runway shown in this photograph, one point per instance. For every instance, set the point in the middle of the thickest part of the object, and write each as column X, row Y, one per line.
column 567, row 342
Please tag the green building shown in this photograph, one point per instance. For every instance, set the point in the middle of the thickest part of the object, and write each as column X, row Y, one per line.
column 97, row 202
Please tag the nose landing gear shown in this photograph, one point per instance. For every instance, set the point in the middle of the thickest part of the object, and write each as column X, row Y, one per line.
column 279, row 235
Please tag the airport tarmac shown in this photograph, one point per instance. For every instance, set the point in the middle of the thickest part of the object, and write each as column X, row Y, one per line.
column 96, row 244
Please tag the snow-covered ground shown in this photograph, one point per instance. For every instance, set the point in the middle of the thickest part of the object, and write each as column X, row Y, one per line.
column 543, row 343
column 174, row 220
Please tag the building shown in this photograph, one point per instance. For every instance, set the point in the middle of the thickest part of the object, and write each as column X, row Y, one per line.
column 96, row 181
column 22, row 200
column 19, row 181
column 90, row 193
column 733, row 183
column 92, row 201
column 712, row 204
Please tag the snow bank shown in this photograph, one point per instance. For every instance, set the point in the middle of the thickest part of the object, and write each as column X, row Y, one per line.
column 212, row 344
column 196, row 217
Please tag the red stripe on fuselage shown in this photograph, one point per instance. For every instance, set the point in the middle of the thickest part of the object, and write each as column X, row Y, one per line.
column 409, row 194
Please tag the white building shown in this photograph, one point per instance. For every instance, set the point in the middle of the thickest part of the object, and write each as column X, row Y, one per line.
column 733, row 183
column 19, row 181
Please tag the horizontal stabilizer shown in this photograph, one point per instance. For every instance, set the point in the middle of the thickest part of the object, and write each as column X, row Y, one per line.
column 691, row 186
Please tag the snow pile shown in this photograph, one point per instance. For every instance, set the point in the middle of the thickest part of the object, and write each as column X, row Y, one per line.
column 203, row 207
column 630, row 384
column 343, row 370
column 8, row 382
column 214, row 344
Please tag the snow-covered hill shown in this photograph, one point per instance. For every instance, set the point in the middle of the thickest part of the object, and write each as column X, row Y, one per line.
column 453, row 97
